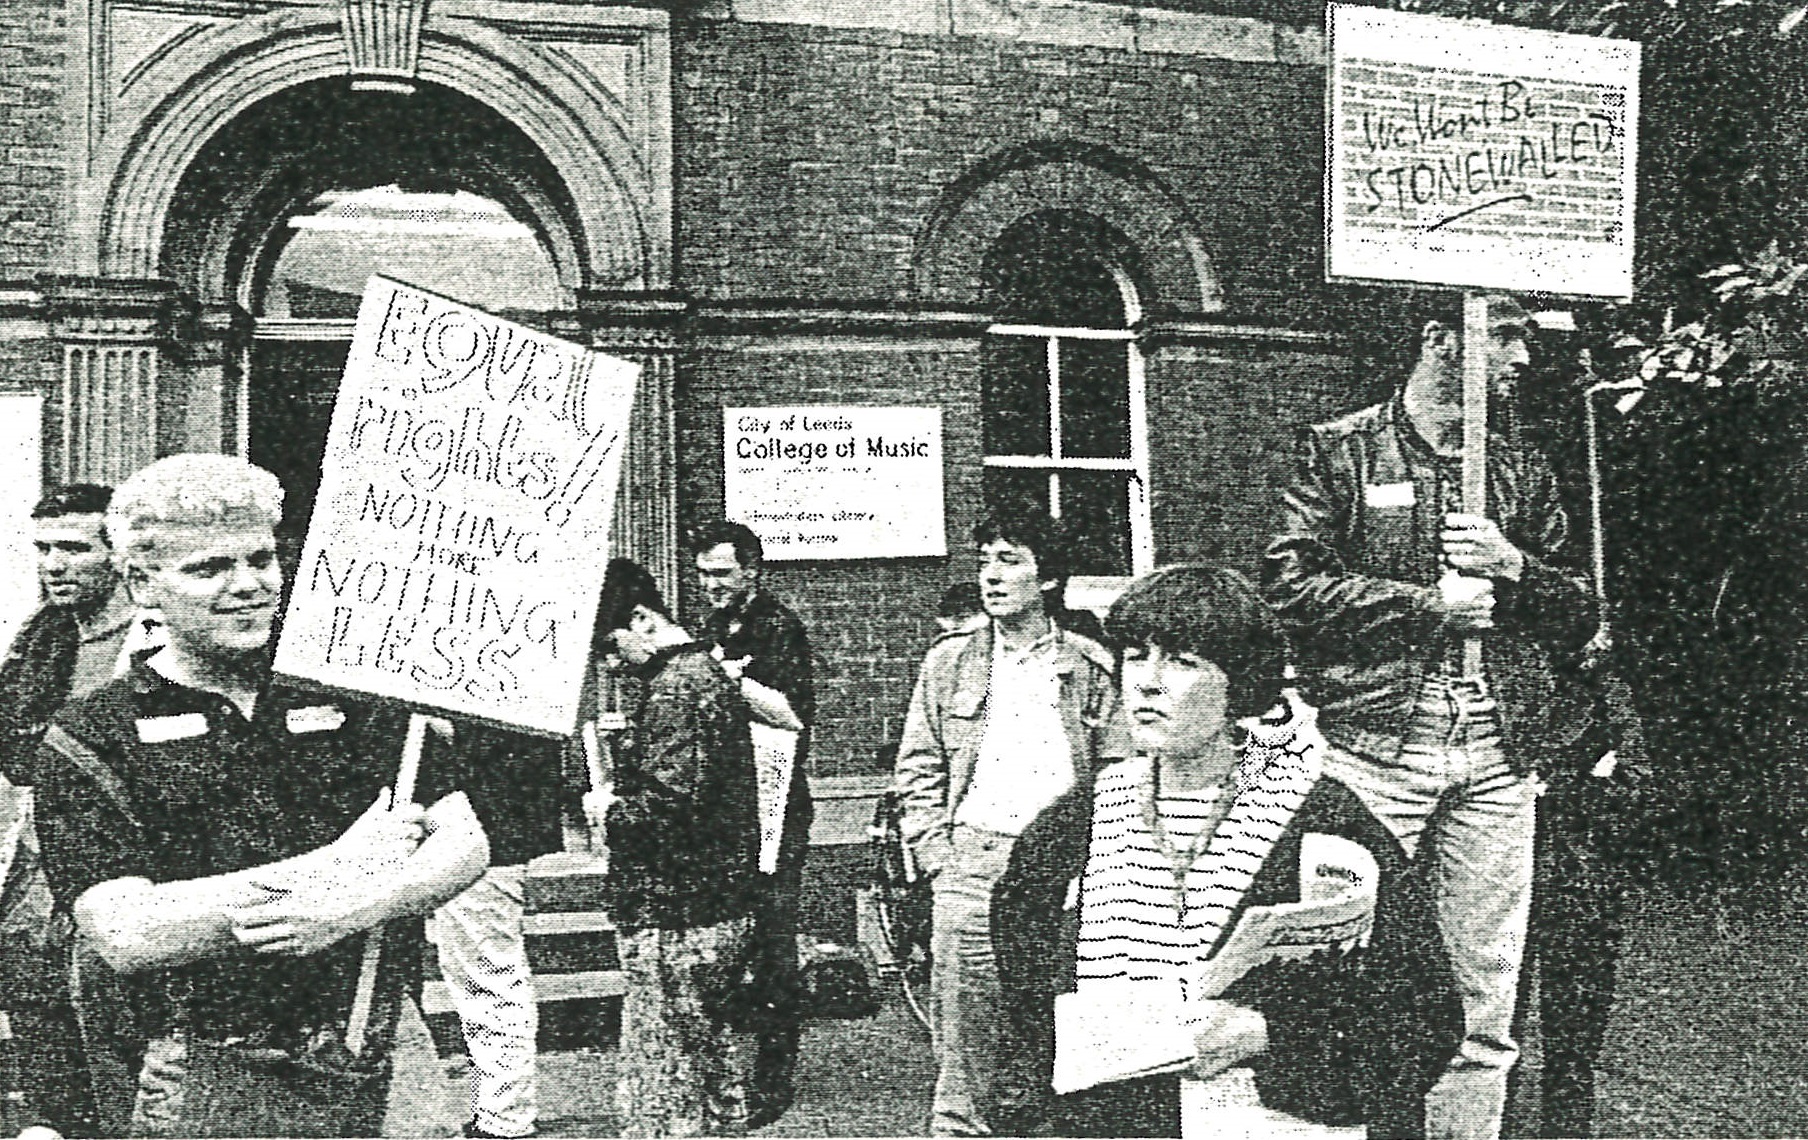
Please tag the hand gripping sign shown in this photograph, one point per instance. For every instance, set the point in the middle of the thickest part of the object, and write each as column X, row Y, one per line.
column 461, row 532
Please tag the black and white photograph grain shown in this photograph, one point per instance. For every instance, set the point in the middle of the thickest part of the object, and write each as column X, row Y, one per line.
column 1214, row 569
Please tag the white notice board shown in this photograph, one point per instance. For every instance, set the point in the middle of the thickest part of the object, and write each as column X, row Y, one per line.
column 1468, row 154
column 461, row 533
column 835, row 482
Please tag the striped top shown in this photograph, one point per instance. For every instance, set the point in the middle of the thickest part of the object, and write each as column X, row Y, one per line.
column 1130, row 926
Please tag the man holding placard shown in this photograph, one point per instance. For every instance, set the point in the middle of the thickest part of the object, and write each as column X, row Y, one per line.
column 762, row 644
column 1382, row 577
column 222, row 837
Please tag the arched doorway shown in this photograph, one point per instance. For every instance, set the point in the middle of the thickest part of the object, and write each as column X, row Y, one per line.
column 201, row 169
column 298, row 201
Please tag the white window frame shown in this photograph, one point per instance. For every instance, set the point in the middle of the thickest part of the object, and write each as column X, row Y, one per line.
column 1142, row 530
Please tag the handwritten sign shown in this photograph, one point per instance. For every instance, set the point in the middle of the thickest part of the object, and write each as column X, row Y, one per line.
column 1468, row 154
column 460, row 536
column 836, row 482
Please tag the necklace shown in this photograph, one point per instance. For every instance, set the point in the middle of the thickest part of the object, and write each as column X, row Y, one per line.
column 1180, row 859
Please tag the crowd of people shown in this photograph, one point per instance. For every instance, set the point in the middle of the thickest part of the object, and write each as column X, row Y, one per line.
column 203, row 855
column 1091, row 815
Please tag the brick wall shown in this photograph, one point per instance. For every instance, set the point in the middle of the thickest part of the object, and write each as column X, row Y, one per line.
column 809, row 164
column 32, row 162
column 809, row 160
column 1221, row 438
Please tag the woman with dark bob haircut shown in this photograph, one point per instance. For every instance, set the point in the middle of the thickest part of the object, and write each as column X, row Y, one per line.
column 1125, row 894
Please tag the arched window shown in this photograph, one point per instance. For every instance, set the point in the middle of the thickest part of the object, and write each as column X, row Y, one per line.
column 1063, row 388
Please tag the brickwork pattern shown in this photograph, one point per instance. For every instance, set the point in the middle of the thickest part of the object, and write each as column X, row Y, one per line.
column 1223, row 439
column 33, row 159
column 809, row 161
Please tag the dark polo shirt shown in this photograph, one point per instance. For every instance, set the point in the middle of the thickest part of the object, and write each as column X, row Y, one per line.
column 210, row 792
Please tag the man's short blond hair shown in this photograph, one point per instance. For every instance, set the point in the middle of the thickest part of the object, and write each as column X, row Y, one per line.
column 190, row 490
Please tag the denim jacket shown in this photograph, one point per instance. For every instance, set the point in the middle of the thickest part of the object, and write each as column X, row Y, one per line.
column 1352, row 572
column 947, row 722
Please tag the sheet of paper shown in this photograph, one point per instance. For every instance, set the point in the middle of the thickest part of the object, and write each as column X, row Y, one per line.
column 774, row 757
column 1114, row 1030
column 1337, row 907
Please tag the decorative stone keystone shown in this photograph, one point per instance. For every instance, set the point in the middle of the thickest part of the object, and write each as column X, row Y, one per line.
column 383, row 42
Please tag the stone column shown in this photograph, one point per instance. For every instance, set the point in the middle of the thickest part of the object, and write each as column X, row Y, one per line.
column 643, row 327
column 214, row 356
column 115, row 410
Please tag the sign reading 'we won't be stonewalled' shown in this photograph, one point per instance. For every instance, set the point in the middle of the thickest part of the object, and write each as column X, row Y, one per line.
column 1469, row 154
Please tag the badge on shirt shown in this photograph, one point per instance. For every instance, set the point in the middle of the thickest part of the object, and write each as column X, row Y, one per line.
column 316, row 718
column 1389, row 495
column 162, row 729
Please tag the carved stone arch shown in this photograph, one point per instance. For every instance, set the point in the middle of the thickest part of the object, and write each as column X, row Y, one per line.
column 621, row 227
column 1174, row 272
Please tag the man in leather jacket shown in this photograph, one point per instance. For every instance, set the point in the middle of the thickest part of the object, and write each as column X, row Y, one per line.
column 1380, row 577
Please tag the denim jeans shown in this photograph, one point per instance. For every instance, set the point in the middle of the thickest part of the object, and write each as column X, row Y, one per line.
column 483, row 957
column 1453, row 798
column 983, row 1070
column 681, row 1068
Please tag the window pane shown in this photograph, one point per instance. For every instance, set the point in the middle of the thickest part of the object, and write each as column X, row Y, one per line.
column 1016, row 395
column 1048, row 270
column 1095, row 398
column 1013, row 489
column 1095, row 505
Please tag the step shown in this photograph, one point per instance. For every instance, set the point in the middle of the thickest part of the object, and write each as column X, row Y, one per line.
column 437, row 999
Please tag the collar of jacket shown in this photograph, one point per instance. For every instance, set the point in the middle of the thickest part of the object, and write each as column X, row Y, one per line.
column 1411, row 439
column 113, row 617
column 649, row 668
column 973, row 666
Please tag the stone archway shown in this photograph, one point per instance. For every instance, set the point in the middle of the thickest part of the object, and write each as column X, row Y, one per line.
column 168, row 236
column 616, row 172
column 1175, row 271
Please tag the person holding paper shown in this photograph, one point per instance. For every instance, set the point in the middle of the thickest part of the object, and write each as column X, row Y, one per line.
column 1215, row 902
column 223, row 839
column 1005, row 717
column 1381, row 579
column 764, row 646
column 682, row 884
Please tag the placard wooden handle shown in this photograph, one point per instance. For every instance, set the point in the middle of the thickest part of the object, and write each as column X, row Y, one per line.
column 357, row 1026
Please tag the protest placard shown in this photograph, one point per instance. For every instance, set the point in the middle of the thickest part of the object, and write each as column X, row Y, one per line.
column 461, row 532
column 1469, row 154
column 836, row 482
